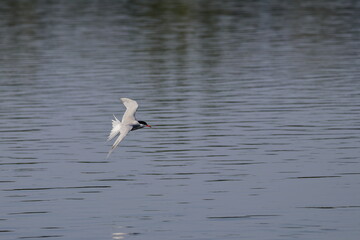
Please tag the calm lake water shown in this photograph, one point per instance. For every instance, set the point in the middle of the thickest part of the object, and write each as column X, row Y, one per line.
column 254, row 105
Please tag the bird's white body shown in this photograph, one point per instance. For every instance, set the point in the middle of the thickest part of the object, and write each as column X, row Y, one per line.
column 128, row 123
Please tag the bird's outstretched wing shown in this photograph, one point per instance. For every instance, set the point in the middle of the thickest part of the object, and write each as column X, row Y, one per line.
column 124, row 130
column 131, row 107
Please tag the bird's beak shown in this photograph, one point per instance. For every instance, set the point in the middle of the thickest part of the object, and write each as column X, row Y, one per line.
column 148, row 126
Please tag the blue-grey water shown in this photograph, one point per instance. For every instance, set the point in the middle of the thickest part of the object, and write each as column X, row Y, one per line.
column 255, row 108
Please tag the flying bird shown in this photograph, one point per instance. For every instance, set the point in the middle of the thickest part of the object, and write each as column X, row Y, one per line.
column 128, row 123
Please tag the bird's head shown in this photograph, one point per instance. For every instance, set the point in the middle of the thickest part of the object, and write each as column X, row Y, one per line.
column 144, row 124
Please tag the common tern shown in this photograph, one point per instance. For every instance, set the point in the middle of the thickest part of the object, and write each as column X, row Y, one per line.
column 128, row 123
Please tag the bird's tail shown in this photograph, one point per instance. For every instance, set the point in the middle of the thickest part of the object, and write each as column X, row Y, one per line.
column 116, row 125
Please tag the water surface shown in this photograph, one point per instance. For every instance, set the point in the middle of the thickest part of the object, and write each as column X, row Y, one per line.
column 254, row 106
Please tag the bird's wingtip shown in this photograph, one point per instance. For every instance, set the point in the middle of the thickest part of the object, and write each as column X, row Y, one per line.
column 124, row 100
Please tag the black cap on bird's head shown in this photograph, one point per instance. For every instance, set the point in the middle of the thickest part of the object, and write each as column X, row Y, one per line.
column 144, row 123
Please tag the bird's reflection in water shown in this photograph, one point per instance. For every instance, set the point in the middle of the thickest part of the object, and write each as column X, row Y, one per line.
column 118, row 235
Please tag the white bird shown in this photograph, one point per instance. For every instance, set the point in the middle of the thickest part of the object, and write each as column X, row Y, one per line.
column 127, row 124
